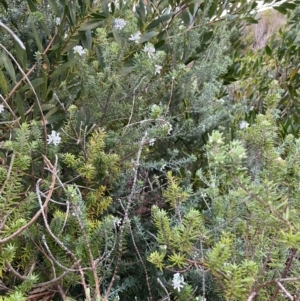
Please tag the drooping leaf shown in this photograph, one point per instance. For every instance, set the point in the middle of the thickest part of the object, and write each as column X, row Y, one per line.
column 149, row 35
column 8, row 66
column 159, row 21
column 90, row 25
column 268, row 50
column 3, row 83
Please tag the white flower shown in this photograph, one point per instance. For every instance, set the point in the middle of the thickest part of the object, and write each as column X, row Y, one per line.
column 1, row 108
column 54, row 138
column 221, row 101
column 135, row 37
column 170, row 128
column 117, row 221
column 163, row 167
column 157, row 69
column 57, row 21
column 78, row 49
column 178, row 282
column 149, row 49
column 119, row 23
column 243, row 124
column 151, row 141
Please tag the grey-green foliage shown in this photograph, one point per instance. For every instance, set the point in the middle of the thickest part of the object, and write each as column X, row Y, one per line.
column 251, row 226
column 127, row 96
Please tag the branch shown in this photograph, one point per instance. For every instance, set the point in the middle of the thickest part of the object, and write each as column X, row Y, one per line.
column 126, row 217
column 36, row 216
column 284, row 290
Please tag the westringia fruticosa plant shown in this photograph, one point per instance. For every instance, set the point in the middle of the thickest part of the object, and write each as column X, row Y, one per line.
column 98, row 101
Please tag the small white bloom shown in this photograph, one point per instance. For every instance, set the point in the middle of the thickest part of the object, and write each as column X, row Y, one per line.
column 157, row 69
column 135, row 37
column 54, row 138
column 57, row 21
column 1, row 108
column 163, row 167
column 170, row 128
column 149, row 49
column 78, row 49
column 221, row 101
column 117, row 221
column 65, row 36
column 243, row 124
column 151, row 141
column 119, row 23
column 178, row 282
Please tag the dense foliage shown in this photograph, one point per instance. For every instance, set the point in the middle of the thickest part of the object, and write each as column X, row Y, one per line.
column 147, row 152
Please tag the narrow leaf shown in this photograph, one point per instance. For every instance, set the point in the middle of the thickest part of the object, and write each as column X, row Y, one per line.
column 160, row 20
column 149, row 35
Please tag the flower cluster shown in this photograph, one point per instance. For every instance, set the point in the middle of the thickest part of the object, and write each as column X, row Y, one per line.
column 78, row 49
column 149, row 49
column 54, row 138
column 119, row 24
column 243, row 124
column 157, row 69
column 135, row 37
column 151, row 141
column 178, row 282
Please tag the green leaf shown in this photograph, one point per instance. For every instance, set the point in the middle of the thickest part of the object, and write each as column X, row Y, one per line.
column 160, row 20
column 141, row 11
column 100, row 57
column 293, row 73
column 54, row 6
column 72, row 12
column 31, row 5
column 63, row 68
column 90, row 25
column 207, row 36
column 20, row 107
column 3, row 2
column 268, row 50
column 3, row 83
column 87, row 40
column 149, row 35
column 288, row 5
column 212, row 9
column 35, row 34
column 280, row 9
column 187, row 17
column 250, row 20
column 21, row 55
column 35, row 83
column 8, row 66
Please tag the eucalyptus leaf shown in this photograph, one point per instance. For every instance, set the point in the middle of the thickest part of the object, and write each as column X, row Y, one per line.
column 148, row 36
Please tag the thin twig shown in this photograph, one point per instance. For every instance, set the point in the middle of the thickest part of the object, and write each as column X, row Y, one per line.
column 142, row 262
column 164, row 288
column 126, row 216
column 285, row 291
column 252, row 295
